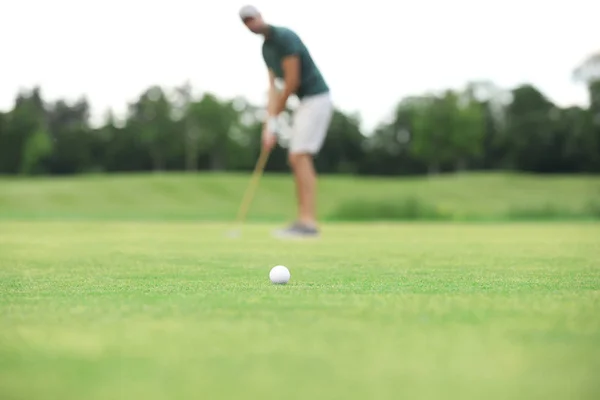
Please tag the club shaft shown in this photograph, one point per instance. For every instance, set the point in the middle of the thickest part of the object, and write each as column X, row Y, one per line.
column 250, row 191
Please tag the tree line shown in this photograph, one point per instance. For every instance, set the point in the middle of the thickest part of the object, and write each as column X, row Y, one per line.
column 479, row 127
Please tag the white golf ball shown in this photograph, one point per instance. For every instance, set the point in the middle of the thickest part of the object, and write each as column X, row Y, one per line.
column 279, row 274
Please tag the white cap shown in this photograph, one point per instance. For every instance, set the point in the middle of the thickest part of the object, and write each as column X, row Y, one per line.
column 249, row 11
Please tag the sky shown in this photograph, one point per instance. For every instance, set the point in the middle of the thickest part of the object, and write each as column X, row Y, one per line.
column 372, row 53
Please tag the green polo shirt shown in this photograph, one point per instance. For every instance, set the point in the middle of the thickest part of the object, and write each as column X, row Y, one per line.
column 282, row 42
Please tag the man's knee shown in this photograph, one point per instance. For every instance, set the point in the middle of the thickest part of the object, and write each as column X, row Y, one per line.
column 295, row 160
column 292, row 160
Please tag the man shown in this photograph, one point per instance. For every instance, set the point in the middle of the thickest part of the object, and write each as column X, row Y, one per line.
column 287, row 58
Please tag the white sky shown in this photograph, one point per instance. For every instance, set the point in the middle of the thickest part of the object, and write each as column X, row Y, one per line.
column 372, row 53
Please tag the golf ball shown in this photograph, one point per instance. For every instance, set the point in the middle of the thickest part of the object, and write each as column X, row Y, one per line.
column 279, row 275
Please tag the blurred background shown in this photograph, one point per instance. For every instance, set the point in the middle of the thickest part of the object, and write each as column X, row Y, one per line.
column 105, row 88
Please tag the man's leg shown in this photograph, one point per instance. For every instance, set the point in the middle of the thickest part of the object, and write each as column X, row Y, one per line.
column 306, row 179
column 310, row 125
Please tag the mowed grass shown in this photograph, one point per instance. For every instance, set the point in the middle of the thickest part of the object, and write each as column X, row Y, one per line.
column 216, row 197
column 167, row 310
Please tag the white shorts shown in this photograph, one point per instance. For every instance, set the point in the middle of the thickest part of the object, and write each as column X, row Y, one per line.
column 310, row 123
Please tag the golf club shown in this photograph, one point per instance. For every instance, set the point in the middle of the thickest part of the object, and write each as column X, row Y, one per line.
column 250, row 190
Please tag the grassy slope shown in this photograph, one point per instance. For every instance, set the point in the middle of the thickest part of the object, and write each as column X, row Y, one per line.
column 217, row 196
column 98, row 310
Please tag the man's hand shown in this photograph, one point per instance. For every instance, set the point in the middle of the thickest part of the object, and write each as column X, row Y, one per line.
column 269, row 138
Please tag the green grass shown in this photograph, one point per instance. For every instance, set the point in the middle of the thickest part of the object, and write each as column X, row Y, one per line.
column 125, row 286
column 166, row 310
column 216, row 197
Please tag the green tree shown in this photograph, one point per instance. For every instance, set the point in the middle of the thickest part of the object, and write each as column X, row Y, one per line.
column 38, row 148
column 25, row 137
column 448, row 129
column 342, row 149
column 212, row 121
column 467, row 128
column 531, row 129
column 493, row 101
column 588, row 72
column 190, row 128
column 387, row 151
column 573, row 151
column 69, row 127
column 150, row 121
column 119, row 146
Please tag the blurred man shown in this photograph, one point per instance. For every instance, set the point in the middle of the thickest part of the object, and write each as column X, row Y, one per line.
column 287, row 58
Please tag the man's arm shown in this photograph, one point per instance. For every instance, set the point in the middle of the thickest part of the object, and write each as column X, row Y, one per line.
column 273, row 96
column 270, row 125
column 291, row 69
column 291, row 73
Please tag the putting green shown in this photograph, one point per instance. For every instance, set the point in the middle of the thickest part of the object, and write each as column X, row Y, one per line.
column 96, row 310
